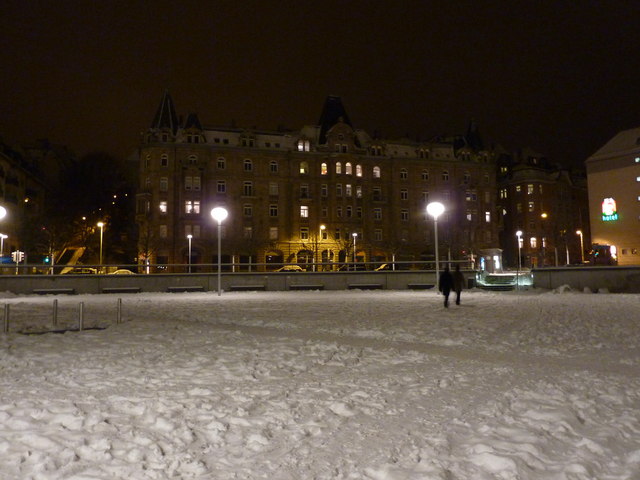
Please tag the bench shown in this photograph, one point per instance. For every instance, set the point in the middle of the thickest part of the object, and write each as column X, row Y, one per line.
column 365, row 286
column 121, row 290
column 54, row 291
column 420, row 286
column 186, row 288
column 306, row 287
column 243, row 288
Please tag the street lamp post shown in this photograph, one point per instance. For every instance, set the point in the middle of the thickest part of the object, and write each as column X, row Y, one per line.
column 322, row 228
column 189, row 237
column 219, row 214
column 101, row 226
column 519, row 236
column 435, row 209
column 579, row 232
column 355, row 236
column 2, row 237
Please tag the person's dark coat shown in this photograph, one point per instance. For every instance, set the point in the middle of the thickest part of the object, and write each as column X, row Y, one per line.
column 458, row 280
column 445, row 283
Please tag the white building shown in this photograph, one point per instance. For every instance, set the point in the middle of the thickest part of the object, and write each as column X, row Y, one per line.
column 613, row 176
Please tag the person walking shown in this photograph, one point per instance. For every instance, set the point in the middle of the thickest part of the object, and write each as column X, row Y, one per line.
column 458, row 283
column 445, row 284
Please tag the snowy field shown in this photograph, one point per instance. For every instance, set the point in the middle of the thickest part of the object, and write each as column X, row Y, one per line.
column 323, row 385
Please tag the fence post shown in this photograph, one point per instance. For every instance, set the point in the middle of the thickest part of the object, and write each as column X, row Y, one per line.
column 55, row 312
column 81, row 316
column 6, row 318
column 119, row 312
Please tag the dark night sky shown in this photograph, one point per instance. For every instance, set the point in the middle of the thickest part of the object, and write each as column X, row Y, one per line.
column 557, row 76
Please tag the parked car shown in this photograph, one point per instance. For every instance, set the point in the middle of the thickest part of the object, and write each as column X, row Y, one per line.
column 81, row 271
column 122, row 271
column 290, row 268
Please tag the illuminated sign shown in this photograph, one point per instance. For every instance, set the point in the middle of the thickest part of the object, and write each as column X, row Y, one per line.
column 609, row 210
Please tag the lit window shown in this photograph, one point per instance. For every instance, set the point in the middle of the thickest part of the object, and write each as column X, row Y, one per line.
column 529, row 189
column 376, row 172
column 518, row 188
column 533, row 241
column 273, row 233
column 348, row 169
column 358, row 170
column 163, row 207
column 347, row 189
column 531, row 206
column 188, row 183
column 338, row 168
column 304, row 211
column 323, row 169
column 487, row 217
column 196, row 183
column 469, row 216
column 304, row 168
column 192, row 206
column 358, row 191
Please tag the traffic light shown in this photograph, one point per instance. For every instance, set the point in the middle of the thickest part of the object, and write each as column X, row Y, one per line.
column 17, row 256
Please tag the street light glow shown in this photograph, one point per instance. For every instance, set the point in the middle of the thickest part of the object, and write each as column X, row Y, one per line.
column 219, row 214
column 3, row 212
column 435, row 209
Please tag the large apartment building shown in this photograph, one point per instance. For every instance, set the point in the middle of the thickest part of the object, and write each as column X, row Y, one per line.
column 548, row 205
column 319, row 196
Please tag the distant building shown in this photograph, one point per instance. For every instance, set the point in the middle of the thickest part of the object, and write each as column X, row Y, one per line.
column 300, row 196
column 547, row 204
column 613, row 174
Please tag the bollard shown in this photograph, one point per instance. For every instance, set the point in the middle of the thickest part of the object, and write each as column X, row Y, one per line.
column 6, row 318
column 81, row 316
column 55, row 312
column 119, row 312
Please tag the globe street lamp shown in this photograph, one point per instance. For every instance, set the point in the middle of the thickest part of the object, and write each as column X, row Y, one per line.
column 322, row 229
column 435, row 209
column 579, row 232
column 101, row 226
column 189, row 237
column 355, row 236
column 219, row 214
column 519, row 236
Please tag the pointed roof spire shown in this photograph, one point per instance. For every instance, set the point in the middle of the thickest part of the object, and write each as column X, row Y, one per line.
column 193, row 122
column 332, row 113
column 474, row 140
column 166, row 117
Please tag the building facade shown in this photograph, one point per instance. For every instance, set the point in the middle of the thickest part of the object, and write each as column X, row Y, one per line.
column 320, row 196
column 547, row 204
column 613, row 175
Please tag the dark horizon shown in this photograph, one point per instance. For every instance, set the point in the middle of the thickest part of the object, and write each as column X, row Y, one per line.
column 554, row 78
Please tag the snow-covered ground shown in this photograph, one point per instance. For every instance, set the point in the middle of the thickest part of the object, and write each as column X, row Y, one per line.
column 323, row 385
